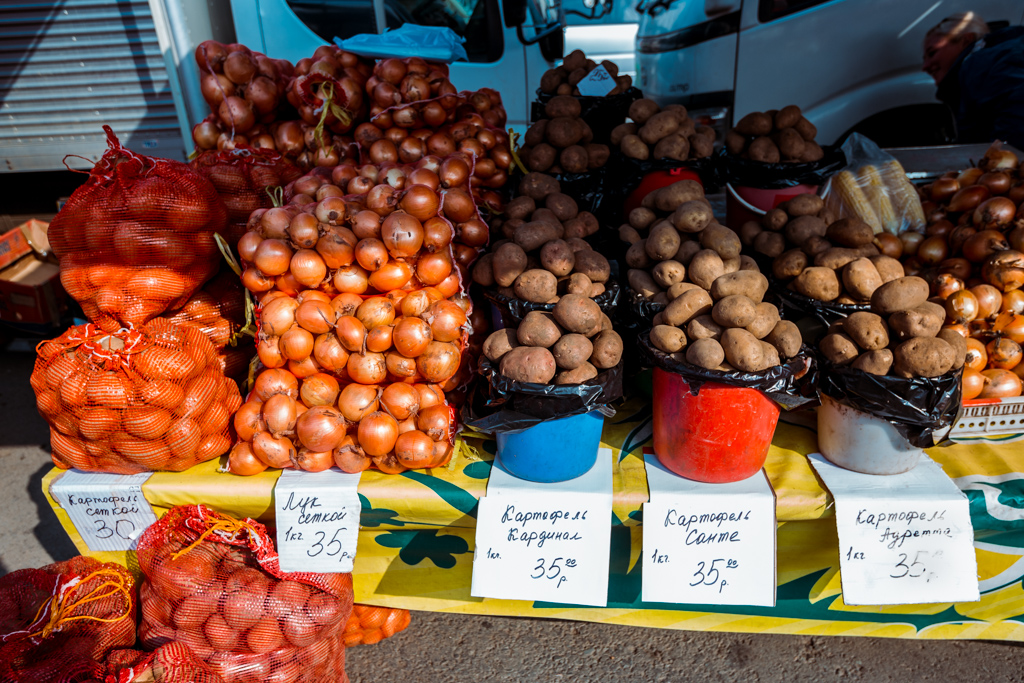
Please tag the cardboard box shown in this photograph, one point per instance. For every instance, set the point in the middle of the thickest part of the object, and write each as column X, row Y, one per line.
column 33, row 229
column 31, row 293
column 13, row 245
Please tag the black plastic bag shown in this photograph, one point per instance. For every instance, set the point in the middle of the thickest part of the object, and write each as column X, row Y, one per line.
column 741, row 172
column 499, row 404
column 826, row 312
column 640, row 308
column 602, row 114
column 513, row 311
column 791, row 384
column 918, row 407
column 588, row 189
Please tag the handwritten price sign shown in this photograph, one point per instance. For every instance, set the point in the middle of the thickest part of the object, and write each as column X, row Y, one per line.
column 903, row 539
column 597, row 83
column 108, row 510
column 317, row 520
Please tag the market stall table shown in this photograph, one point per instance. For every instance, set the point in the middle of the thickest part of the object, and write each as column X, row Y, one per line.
column 417, row 540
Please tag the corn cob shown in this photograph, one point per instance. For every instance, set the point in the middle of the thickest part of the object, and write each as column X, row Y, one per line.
column 852, row 197
column 879, row 198
column 905, row 199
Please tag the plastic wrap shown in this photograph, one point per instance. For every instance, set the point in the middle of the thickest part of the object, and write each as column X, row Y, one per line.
column 874, row 188
column 791, row 384
column 742, row 172
column 918, row 407
column 433, row 43
column 602, row 114
column 504, row 405
column 513, row 311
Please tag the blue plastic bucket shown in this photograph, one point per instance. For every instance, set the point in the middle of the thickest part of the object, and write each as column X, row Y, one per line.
column 556, row 450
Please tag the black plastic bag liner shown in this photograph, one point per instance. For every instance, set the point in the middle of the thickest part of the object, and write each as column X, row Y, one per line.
column 741, row 172
column 602, row 114
column 791, row 384
column 588, row 189
column 918, row 407
column 500, row 404
column 827, row 312
column 514, row 310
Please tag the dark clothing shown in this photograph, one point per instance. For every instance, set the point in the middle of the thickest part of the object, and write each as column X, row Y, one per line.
column 985, row 89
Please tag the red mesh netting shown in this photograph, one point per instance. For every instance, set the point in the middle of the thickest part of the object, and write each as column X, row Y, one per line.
column 369, row 625
column 242, row 177
column 137, row 238
column 170, row 663
column 134, row 400
column 58, row 623
column 214, row 584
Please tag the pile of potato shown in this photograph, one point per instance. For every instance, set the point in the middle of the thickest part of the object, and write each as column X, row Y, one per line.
column 774, row 136
column 569, row 345
column 544, row 256
column 669, row 133
column 562, row 142
column 726, row 327
column 562, row 79
column 841, row 261
column 901, row 335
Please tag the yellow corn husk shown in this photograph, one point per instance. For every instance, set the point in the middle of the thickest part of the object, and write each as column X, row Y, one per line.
column 905, row 200
column 877, row 193
column 853, row 199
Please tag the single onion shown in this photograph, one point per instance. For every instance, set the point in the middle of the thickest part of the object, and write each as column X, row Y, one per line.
column 279, row 413
column 249, row 419
column 377, row 433
column 237, row 112
column 414, row 449
column 278, row 316
column 272, row 382
column 420, row 201
column 393, row 275
column 351, row 333
column 973, row 384
column 994, row 213
column 446, row 319
column 351, row 279
column 273, row 451
column 932, row 250
column 1000, row 383
column 320, row 428
column 412, row 336
column 367, row 368
column 401, row 401
column 356, row 401
column 458, row 205
column 1010, row 325
column 272, row 257
column 943, row 189
column 304, row 230
column 316, row 316
column 379, row 339
column 376, row 311
column 433, row 269
column 248, row 244
column 430, row 395
column 296, row 344
column 475, row 233
column 450, row 286
column 399, row 365
column 435, row 421
column 269, row 352
column 371, row 253
column 969, row 198
column 1003, row 353
column 439, row 362
column 1004, row 270
column 945, row 285
column 990, row 300
column 346, row 303
column 962, row 307
column 402, row 234
column 308, row 268
column 329, row 353
column 1013, row 301
column 996, row 159
column 977, row 355
column 998, row 182
column 983, row 244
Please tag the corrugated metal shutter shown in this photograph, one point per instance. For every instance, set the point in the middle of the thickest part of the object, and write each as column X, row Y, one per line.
column 70, row 66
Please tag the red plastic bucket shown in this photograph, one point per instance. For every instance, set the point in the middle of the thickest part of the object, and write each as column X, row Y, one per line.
column 744, row 204
column 656, row 180
column 720, row 435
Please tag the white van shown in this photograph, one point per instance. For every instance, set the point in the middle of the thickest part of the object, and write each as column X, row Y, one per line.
column 849, row 64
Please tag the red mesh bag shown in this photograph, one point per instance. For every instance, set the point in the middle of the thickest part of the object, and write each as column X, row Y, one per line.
column 137, row 239
column 170, row 663
column 214, row 583
column 58, row 623
column 369, row 625
column 242, row 176
column 135, row 400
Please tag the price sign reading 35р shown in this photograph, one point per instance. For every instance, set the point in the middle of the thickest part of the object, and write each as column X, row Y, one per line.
column 317, row 520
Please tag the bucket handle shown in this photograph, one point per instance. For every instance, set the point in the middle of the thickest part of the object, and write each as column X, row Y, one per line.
column 743, row 202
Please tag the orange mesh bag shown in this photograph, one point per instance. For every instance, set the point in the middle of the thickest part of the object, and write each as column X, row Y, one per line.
column 58, row 623
column 137, row 239
column 242, row 176
column 170, row 663
column 214, row 583
column 134, row 400
column 369, row 625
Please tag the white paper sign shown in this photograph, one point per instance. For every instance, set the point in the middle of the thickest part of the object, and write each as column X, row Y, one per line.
column 548, row 542
column 317, row 520
column 597, row 83
column 710, row 544
column 904, row 539
column 108, row 510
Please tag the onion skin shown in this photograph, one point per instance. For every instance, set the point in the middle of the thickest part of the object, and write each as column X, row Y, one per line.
column 973, row 384
column 377, row 434
column 1000, row 384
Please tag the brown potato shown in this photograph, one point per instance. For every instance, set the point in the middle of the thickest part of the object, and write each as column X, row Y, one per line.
column 571, row 351
column 861, row 279
column 528, row 364
column 607, row 350
column 628, row 234
column 867, row 330
column 537, row 285
column 723, row 240
column 662, row 242
column 643, row 109
column 659, row 126
column 622, row 130
column 705, row 267
column 535, row 133
column 959, row 345
column 818, row 283
column 688, row 248
column 802, row 228
column 597, row 155
column 636, row 255
column 806, row 129
column 763, row 150
column 747, row 263
column 574, row 60
column 700, row 146
column 578, row 283
column 593, row 265
column 923, row 357
column 661, row 298
column 578, row 314
column 667, row 338
column 876, row 362
column 839, row 348
column 500, row 342
column 749, row 232
column 850, row 232
column 535, row 234
column 483, row 271
column 574, row 159
column 635, row 148
column 674, row 146
column 888, row 268
column 734, row 311
column 754, row 124
column 731, row 265
column 642, row 218
column 787, row 116
column 815, row 245
column 786, row 338
column 899, row 295
column 692, row 216
column 542, row 157
column 640, row 281
column 538, row 328
column 790, row 144
column 789, row 264
column 687, row 305
column 576, row 227
column 750, row 284
column 508, row 264
column 537, row 186
column 812, row 152
column 735, row 143
column 804, row 205
column 765, row 321
column 668, row 273
column 551, row 79
column 769, row 356
column 836, row 257
column 577, row 245
column 920, row 321
column 675, row 290
column 583, row 373
column 671, row 197
column 705, row 353
column 771, row 244
column 546, row 215
column 562, row 205
column 557, row 257
column 520, row 207
column 704, row 327
column 565, row 89
column 562, row 106
column 774, row 219
column 742, row 350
